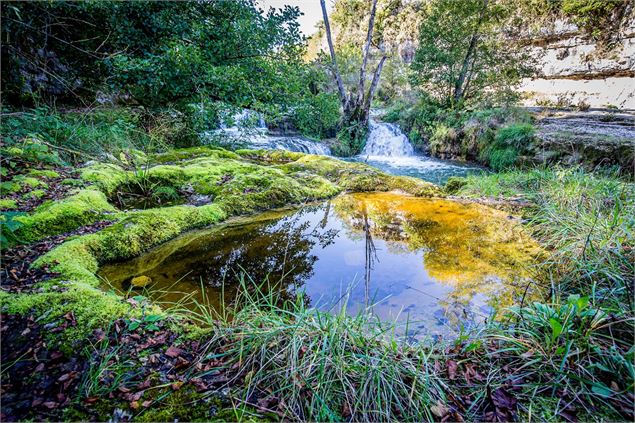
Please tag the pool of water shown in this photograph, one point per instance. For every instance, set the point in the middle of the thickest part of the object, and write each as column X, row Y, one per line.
column 429, row 169
column 438, row 264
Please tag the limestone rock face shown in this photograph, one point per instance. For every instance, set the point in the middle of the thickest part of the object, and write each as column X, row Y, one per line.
column 141, row 281
column 587, row 138
column 575, row 71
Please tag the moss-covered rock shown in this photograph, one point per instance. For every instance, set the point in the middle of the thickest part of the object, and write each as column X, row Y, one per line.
column 8, row 204
column 34, row 194
column 56, row 217
column 239, row 183
column 106, row 177
column 43, row 173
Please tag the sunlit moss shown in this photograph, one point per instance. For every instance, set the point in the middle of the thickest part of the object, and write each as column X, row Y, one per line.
column 56, row 217
column 8, row 204
column 43, row 173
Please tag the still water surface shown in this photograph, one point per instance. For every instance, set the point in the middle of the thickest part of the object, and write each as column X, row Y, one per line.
column 436, row 263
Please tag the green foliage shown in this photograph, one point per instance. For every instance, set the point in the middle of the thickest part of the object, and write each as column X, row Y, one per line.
column 442, row 135
column 157, row 52
column 351, row 140
column 508, row 144
column 9, row 227
column 594, row 16
column 317, row 116
column 26, row 152
column 462, row 54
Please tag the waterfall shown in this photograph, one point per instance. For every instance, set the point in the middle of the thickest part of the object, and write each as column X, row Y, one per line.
column 386, row 140
column 289, row 143
column 249, row 127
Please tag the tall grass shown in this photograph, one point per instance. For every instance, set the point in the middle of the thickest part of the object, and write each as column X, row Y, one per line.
column 319, row 366
column 83, row 135
column 578, row 347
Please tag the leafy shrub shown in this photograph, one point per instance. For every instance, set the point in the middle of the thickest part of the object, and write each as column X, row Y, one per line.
column 351, row 140
column 442, row 135
column 519, row 136
column 317, row 116
column 509, row 143
column 29, row 153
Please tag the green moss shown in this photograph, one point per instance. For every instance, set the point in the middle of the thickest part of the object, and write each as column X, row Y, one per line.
column 358, row 177
column 30, row 182
column 9, row 187
column 36, row 193
column 92, row 309
column 79, row 259
column 73, row 182
column 183, row 405
column 269, row 157
column 194, row 152
column 105, row 177
column 8, row 204
column 454, row 184
column 48, row 174
column 52, row 218
column 240, row 183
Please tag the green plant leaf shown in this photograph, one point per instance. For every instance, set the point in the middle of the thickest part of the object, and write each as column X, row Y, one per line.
column 556, row 328
column 151, row 318
column 602, row 390
column 133, row 325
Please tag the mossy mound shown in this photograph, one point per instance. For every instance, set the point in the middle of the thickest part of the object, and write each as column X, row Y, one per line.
column 241, row 182
column 56, row 217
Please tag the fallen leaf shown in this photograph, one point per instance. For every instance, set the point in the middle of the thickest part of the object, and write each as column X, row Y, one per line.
column 452, row 367
column 439, row 409
column 173, row 352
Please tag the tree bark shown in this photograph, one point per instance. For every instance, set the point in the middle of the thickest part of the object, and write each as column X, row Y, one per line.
column 459, row 89
column 335, row 69
column 374, row 84
column 356, row 106
column 369, row 36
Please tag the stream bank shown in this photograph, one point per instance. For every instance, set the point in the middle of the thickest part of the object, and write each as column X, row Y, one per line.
column 108, row 356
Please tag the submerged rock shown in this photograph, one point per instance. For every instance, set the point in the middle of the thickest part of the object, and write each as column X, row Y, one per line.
column 141, row 281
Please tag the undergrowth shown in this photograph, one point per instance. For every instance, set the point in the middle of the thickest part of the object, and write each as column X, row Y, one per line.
column 578, row 346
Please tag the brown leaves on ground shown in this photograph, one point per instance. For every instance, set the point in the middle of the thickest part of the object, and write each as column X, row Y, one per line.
column 17, row 274
column 42, row 381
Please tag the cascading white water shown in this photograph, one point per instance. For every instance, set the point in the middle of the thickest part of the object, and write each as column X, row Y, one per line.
column 386, row 140
column 249, row 127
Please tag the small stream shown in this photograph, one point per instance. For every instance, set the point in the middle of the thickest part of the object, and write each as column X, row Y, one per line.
column 387, row 149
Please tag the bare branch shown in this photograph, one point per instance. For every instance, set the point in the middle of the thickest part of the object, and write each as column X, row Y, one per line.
column 335, row 69
column 369, row 37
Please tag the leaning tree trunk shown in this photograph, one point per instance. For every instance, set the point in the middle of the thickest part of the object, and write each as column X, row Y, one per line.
column 355, row 105
column 460, row 87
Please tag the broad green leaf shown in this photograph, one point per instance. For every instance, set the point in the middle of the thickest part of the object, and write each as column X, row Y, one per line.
column 556, row 328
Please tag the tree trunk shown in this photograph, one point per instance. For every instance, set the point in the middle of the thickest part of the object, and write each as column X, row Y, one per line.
column 335, row 69
column 369, row 37
column 356, row 106
column 459, row 86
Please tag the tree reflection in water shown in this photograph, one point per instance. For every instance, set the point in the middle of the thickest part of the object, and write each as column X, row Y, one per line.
column 439, row 263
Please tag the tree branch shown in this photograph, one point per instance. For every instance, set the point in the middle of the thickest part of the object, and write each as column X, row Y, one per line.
column 335, row 70
column 374, row 83
column 458, row 87
column 369, row 37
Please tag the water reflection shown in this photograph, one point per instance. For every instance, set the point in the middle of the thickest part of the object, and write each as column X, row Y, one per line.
column 437, row 263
